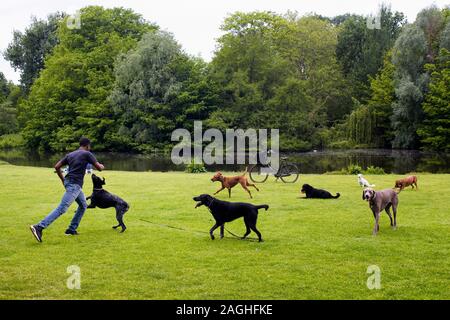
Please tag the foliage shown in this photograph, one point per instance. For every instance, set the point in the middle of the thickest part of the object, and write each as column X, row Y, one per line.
column 408, row 58
column 374, row 170
column 360, row 126
column 354, row 169
column 9, row 141
column 417, row 44
column 361, row 50
column 158, row 88
column 195, row 167
column 435, row 129
column 323, row 81
column 10, row 95
column 69, row 99
column 380, row 103
column 279, row 72
column 28, row 50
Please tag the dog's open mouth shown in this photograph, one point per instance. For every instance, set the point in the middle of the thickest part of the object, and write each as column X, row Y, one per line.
column 198, row 204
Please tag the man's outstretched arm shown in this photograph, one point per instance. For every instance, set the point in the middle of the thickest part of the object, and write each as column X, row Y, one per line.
column 99, row 166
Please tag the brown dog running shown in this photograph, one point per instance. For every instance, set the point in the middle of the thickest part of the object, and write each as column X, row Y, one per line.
column 406, row 182
column 230, row 182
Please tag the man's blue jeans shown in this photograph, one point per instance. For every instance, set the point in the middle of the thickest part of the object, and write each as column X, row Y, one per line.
column 73, row 193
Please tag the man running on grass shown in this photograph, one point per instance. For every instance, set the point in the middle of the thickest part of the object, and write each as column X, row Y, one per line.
column 73, row 182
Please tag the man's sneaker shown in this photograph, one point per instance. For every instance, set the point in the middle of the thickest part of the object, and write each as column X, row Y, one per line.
column 37, row 232
column 71, row 232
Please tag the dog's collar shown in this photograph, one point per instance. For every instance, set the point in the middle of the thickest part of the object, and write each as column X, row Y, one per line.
column 212, row 200
column 372, row 201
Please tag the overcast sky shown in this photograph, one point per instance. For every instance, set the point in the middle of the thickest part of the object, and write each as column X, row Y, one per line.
column 195, row 23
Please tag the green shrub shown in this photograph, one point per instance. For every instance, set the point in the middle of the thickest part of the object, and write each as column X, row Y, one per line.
column 374, row 170
column 341, row 144
column 195, row 167
column 9, row 141
column 354, row 169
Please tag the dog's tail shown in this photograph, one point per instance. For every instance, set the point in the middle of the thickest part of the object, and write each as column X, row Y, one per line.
column 245, row 172
column 371, row 185
column 265, row 206
column 336, row 196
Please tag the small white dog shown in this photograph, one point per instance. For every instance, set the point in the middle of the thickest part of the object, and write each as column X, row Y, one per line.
column 363, row 182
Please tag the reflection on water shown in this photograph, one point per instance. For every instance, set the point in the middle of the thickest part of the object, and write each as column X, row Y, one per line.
column 394, row 161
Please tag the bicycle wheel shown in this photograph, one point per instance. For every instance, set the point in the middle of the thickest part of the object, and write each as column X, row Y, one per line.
column 257, row 176
column 289, row 173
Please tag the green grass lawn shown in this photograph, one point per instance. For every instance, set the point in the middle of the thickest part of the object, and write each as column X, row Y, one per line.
column 313, row 249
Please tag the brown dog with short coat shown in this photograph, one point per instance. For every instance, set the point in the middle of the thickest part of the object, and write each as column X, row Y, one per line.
column 379, row 201
column 230, row 182
column 406, row 182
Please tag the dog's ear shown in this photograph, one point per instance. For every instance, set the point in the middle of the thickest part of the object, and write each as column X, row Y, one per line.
column 103, row 181
column 363, row 194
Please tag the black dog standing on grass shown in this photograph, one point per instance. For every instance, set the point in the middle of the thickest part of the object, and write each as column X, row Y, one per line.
column 103, row 199
column 224, row 211
column 312, row 192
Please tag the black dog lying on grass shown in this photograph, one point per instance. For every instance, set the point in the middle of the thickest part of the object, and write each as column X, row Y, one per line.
column 103, row 199
column 312, row 192
column 224, row 211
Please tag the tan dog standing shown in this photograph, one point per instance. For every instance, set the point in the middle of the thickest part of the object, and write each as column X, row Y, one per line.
column 230, row 182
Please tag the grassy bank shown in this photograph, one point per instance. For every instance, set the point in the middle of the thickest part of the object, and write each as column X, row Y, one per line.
column 314, row 249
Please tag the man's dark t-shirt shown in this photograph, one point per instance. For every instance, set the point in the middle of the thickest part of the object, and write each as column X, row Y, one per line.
column 77, row 161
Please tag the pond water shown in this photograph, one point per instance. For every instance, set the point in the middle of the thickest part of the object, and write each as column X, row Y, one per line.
column 392, row 161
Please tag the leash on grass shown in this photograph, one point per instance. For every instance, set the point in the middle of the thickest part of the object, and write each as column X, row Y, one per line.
column 195, row 231
column 172, row 227
column 240, row 238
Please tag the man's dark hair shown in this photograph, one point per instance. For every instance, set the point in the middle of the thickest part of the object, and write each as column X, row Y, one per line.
column 84, row 142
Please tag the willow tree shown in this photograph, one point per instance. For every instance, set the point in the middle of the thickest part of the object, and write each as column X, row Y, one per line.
column 417, row 45
column 158, row 88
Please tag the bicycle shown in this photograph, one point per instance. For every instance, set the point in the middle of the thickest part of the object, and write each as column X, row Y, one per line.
column 287, row 172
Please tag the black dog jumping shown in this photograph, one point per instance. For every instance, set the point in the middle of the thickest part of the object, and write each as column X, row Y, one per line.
column 103, row 199
column 224, row 211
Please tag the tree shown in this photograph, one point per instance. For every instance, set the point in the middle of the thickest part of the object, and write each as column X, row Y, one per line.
column 158, row 88
column 417, row 44
column 9, row 96
column 247, row 66
column 28, row 50
column 279, row 72
column 435, row 129
column 70, row 97
column 431, row 21
column 310, row 48
column 445, row 37
column 361, row 50
column 380, row 103
column 408, row 58
column 4, row 89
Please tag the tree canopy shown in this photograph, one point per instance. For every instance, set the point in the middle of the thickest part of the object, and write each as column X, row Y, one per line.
column 323, row 81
